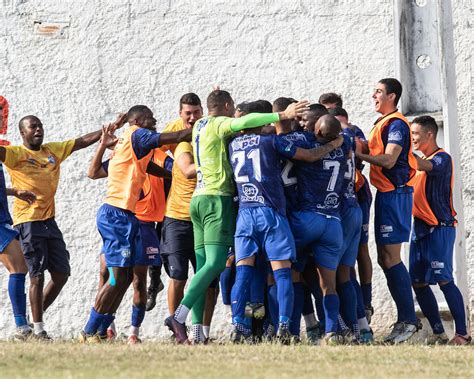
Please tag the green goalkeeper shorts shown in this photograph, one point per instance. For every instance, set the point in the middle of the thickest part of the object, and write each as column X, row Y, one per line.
column 213, row 220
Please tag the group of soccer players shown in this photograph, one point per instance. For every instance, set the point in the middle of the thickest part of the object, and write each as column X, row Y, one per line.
column 267, row 197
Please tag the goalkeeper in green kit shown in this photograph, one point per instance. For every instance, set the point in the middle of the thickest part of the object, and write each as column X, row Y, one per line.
column 213, row 212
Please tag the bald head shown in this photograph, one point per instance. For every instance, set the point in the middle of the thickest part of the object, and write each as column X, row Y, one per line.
column 328, row 127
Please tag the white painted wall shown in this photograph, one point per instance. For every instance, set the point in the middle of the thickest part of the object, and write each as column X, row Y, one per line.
column 120, row 53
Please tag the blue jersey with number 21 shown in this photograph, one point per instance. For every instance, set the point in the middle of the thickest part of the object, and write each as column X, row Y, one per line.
column 257, row 168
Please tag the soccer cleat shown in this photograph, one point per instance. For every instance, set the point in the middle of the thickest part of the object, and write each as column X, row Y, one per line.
column 402, row 332
column 238, row 337
column 133, row 340
column 111, row 335
column 23, row 334
column 459, row 340
column 178, row 329
column 333, row 339
column 151, row 296
column 255, row 310
column 366, row 337
column 369, row 312
column 89, row 339
column 437, row 339
column 43, row 336
column 315, row 333
column 283, row 335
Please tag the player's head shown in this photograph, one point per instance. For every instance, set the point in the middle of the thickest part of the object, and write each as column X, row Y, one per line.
column 190, row 109
column 242, row 109
column 386, row 95
column 31, row 131
column 327, row 128
column 423, row 133
column 341, row 114
column 312, row 115
column 258, row 106
column 330, row 100
column 141, row 116
column 279, row 105
column 220, row 103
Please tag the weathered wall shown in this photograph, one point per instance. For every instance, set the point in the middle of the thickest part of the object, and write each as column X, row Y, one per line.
column 121, row 53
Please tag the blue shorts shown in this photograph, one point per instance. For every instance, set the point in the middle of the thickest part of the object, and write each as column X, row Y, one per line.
column 393, row 216
column 120, row 232
column 262, row 229
column 150, row 252
column 364, row 230
column 322, row 233
column 431, row 257
column 7, row 235
column 351, row 220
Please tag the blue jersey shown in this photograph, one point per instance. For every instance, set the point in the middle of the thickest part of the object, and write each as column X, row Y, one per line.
column 5, row 217
column 398, row 132
column 349, row 197
column 320, row 183
column 288, row 173
column 257, row 171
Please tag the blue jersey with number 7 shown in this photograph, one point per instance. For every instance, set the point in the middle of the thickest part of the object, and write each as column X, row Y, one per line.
column 320, row 184
column 257, row 168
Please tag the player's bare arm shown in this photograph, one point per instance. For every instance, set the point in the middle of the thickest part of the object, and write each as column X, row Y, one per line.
column 185, row 163
column 108, row 140
column 423, row 164
column 155, row 170
column 24, row 195
column 387, row 160
column 317, row 153
column 175, row 137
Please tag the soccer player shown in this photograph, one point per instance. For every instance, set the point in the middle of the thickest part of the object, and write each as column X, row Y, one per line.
column 12, row 258
column 35, row 167
column 212, row 208
column 317, row 221
column 434, row 232
column 190, row 110
column 149, row 208
column 117, row 224
column 392, row 171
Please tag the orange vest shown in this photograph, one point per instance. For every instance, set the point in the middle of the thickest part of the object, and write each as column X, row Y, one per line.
column 421, row 207
column 152, row 207
column 126, row 173
column 376, row 147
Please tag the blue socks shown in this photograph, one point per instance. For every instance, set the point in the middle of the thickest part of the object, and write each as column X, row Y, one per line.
column 285, row 293
column 367, row 294
column 241, row 291
column 95, row 320
column 138, row 314
column 107, row 320
column 331, row 312
column 429, row 306
column 399, row 284
column 298, row 303
column 273, row 305
column 16, row 291
column 360, row 299
column 348, row 304
column 456, row 306
column 227, row 280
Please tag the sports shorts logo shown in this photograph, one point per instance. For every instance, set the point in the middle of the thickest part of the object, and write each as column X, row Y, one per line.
column 437, row 264
column 386, row 228
column 126, row 253
column 250, row 194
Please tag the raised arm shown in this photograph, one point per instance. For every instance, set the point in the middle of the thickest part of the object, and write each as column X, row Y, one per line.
column 96, row 170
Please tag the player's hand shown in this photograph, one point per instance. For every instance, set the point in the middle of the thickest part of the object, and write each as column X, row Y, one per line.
column 120, row 121
column 335, row 143
column 108, row 138
column 361, row 146
column 295, row 110
column 24, row 195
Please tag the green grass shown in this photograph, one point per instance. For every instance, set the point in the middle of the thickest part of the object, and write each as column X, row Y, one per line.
column 153, row 359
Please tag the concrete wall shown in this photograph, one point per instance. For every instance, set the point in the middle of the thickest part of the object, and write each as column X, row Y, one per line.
column 120, row 53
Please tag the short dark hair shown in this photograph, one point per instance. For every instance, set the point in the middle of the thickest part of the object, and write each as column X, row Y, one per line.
column 317, row 110
column 23, row 119
column 190, row 99
column 330, row 98
column 260, row 106
column 392, row 85
column 136, row 111
column 217, row 99
column 427, row 123
column 338, row 111
column 280, row 104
